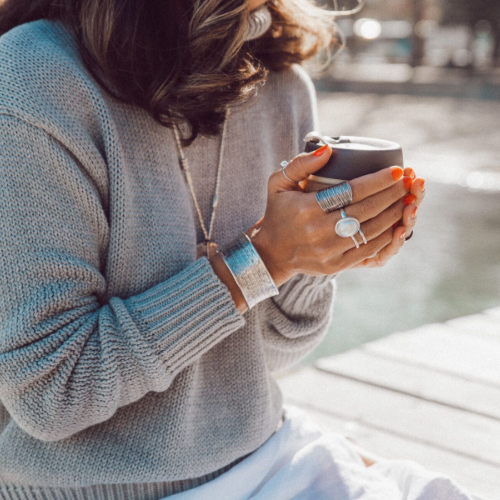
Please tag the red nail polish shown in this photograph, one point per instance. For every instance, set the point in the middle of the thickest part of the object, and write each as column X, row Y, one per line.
column 397, row 173
column 321, row 150
column 409, row 199
column 414, row 214
column 408, row 181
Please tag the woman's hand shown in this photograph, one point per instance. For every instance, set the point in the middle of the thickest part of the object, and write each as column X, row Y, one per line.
column 297, row 236
column 404, row 228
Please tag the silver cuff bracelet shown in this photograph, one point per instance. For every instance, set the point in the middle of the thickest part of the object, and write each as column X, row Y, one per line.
column 248, row 270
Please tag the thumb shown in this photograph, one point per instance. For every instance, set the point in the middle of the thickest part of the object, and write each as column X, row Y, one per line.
column 255, row 227
column 300, row 168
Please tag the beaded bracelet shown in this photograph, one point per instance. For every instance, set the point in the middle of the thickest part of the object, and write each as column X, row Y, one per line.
column 248, row 270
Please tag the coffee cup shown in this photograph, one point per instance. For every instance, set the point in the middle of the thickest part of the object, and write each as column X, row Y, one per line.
column 351, row 157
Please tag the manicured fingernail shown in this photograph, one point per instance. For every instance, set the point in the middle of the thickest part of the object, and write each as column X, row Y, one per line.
column 402, row 236
column 321, row 150
column 414, row 213
column 408, row 181
column 397, row 173
column 409, row 199
column 422, row 187
column 410, row 173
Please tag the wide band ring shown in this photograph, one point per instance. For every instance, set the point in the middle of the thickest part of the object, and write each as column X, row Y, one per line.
column 349, row 227
column 334, row 197
column 283, row 165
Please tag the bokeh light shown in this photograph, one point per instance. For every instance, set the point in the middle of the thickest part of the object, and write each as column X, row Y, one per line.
column 370, row 29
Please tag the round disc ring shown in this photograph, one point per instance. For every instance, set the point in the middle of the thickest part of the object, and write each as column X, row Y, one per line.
column 348, row 227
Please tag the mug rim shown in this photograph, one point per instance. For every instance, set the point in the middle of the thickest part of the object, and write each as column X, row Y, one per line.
column 378, row 144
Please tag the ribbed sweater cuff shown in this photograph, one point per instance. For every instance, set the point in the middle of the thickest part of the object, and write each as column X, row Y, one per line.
column 300, row 293
column 186, row 315
column 304, row 306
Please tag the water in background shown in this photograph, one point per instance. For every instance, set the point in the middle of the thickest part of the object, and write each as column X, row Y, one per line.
column 451, row 266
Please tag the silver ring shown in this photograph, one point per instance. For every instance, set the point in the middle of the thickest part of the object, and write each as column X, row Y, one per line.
column 283, row 165
column 363, row 237
column 348, row 227
column 334, row 197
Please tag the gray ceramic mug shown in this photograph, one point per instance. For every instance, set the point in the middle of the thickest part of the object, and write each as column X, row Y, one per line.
column 351, row 157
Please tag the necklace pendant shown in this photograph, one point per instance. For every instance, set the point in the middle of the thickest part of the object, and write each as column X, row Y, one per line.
column 206, row 249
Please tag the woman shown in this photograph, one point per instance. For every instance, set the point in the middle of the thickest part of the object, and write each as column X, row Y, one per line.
column 131, row 363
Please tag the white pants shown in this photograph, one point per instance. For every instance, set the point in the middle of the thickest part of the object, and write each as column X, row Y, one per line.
column 302, row 462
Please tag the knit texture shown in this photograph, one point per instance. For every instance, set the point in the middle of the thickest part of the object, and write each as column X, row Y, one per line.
column 126, row 370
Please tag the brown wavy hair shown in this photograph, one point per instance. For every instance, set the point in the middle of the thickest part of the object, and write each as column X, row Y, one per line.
column 181, row 59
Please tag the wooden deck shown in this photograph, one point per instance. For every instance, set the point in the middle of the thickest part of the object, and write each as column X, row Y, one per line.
column 431, row 395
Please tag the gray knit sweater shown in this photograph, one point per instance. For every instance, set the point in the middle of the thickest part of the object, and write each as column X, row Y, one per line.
column 126, row 371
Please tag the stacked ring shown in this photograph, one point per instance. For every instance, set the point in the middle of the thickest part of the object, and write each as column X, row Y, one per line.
column 349, row 227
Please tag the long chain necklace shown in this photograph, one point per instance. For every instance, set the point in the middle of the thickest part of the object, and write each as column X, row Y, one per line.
column 208, row 247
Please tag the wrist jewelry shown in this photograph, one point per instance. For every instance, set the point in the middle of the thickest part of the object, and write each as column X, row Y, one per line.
column 248, row 270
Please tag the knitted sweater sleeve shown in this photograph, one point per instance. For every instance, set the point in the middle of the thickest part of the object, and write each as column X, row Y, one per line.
column 68, row 358
column 297, row 320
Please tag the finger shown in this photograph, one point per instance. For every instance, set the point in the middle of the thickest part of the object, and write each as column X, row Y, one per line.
column 299, row 169
column 374, row 205
column 410, row 173
column 255, row 227
column 418, row 190
column 373, row 228
column 357, row 255
column 392, row 249
column 368, row 207
column 386, row 253
column 367, row 185
column 410, row 217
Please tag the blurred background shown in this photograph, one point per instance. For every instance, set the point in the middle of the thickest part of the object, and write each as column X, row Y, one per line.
column 423, row 42
column 426, row 74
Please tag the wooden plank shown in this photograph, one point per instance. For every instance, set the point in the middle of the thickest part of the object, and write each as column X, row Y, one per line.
column 478, row 324
column 479, row 478
column 469, row 435
column 495, row 312
column 442, row 348
column 368, row 367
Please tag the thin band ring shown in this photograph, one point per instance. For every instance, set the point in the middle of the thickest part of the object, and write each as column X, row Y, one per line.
column 283, row 165
column 363, row 237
